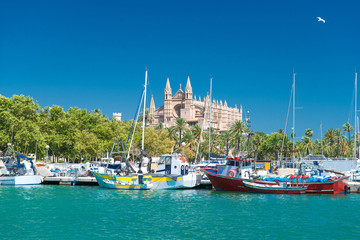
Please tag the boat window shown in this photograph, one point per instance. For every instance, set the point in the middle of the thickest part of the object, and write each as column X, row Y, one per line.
column 168, row 160
column 237, row 163
column 230, row 163
column 161, row 160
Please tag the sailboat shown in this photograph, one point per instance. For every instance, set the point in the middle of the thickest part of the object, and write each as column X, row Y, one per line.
column 172, row 171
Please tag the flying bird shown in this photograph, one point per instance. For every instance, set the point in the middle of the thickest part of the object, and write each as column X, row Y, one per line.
column 320, row 19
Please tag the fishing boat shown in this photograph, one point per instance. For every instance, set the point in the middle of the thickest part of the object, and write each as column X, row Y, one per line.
column 171, row 172
column 17, row 172
column 274, row 189
column 230, row 177
column 128, row 182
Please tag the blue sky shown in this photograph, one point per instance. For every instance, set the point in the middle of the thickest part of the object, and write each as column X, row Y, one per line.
column 92, row 54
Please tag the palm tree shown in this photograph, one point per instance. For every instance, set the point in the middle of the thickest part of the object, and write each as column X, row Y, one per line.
column 159, row 126
column 338, row 137
column 348, row 128
column 258, row 140
column 172, row 133
column 226, row 138
column 189, row 138
column 309, row 133
column 190, row 141
column 274, row 143
column 236, row 130
column 180, row 126
column 196, row 129
column 306, row 141
column 148, row 118
column 330, row 139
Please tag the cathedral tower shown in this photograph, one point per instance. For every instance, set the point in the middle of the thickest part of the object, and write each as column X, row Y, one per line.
column 167, row 103
column 188, row 111
column 152, row 109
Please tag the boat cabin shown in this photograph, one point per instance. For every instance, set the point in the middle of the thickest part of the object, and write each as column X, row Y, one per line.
column 172, row 165
column 236, row 167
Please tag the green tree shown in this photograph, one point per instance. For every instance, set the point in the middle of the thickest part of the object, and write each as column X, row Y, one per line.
column 348, row 128
column 226, row 138
column 237, row 129
column 273, row 143
column 180, row 126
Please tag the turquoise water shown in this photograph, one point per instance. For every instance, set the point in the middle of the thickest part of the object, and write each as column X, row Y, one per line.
column 81, row 212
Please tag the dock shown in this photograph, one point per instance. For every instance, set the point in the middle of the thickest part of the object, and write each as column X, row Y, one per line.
column 354, row 187
column 79, row 181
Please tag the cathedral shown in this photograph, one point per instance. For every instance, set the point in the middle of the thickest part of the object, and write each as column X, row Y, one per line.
column 194, row 111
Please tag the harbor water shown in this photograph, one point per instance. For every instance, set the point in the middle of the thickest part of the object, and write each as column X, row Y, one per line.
column 85, row 212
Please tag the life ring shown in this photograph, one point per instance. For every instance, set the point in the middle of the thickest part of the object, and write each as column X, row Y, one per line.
column 231, row 173
column 183, row 160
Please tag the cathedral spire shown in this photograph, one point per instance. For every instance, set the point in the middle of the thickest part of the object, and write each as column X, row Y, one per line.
column 152, row 107
column 188, row 87
column 167, row 91
column 152, row 102
column 167, row 87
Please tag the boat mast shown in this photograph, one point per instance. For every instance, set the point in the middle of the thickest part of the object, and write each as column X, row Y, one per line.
column 322, row 148
column 293, row 128
column 357, row 127
column 143, row 126
column 355, row 114
column 210, row 119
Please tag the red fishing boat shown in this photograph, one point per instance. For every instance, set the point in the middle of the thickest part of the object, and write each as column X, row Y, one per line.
column 231, row 177
column 274, row 189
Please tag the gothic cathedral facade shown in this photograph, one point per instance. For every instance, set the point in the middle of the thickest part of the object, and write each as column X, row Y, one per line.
column 194, row 111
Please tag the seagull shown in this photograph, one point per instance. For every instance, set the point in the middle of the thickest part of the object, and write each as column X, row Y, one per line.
column 320, row 19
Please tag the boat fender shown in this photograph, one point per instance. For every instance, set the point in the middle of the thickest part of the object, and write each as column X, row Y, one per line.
column 231, row 173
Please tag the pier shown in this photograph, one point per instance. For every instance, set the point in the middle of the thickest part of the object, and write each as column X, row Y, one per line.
column 354, row 187
column 81, row 181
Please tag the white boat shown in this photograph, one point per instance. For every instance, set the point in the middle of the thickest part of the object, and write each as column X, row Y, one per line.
column 20, row 180
column 171, row 172
column 14, row 172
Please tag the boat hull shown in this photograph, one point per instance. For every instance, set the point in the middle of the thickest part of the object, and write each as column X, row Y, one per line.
column 225, row 183
column 338, row 186
column 273, row 189
column 21, row 180
column 220, row 182
column 155, row 182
